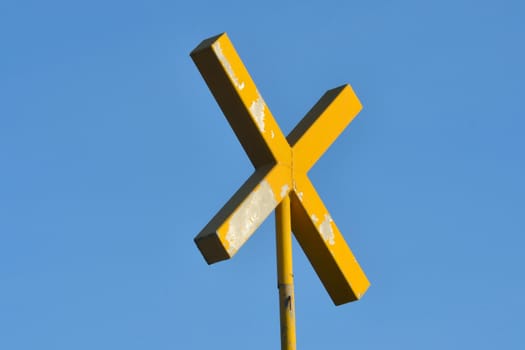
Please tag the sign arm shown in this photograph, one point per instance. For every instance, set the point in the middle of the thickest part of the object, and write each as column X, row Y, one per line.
column 321, row 126
column 325, row 246
column 243, row 213
column 240, row 101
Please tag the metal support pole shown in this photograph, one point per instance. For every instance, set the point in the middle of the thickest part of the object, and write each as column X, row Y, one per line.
column 285, row 274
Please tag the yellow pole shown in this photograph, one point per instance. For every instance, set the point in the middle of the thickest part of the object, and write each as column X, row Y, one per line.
column 285, row 274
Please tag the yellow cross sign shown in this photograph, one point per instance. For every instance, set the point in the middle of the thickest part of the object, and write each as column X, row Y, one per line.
column 281, row 165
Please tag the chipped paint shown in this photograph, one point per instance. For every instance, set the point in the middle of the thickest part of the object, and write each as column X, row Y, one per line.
column 257, row 110
column 326, row 229
column 284, row 190
column 272, row 134
column 252, row 212
column 315, row 219
column 226, row 64
column 300, row 195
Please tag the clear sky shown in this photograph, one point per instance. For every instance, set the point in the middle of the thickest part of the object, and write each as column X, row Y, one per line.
column 114, row 155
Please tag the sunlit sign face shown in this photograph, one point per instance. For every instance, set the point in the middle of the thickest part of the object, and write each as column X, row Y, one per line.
column 281, row 165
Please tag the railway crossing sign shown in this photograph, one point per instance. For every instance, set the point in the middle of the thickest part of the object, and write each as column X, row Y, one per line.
column 280, row 179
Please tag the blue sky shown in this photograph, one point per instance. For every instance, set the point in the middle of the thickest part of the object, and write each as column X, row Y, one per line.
column 114, row 155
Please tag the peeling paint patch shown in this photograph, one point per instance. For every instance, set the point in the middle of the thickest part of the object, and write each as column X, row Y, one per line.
column 315, row 219
column 257, row 110
column 284, row 190
column 326, row 229
column 252, row 212
column 226, row 64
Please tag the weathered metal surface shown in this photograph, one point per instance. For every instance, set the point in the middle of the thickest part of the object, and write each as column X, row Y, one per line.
column 281, row 165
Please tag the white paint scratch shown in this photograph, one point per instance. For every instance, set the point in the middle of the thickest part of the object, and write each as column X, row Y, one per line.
column 226, row 64
column 252, row 212
column 300, row 195
column 314, row 218
column 272, row 134
column 257, row 109
column 284, row 190
column 326, row 229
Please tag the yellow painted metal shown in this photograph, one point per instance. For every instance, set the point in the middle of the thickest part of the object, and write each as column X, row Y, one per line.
column 312, row 224
column 243, row 213
column 321, row 126
column 285, row 274
column 281, row 165
column 240, row 101
column 325, row 246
